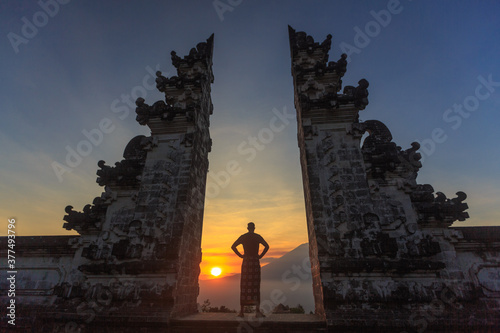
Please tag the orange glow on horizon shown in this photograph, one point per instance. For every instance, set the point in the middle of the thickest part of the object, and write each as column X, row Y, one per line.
column 228, row 263
column 224, row 261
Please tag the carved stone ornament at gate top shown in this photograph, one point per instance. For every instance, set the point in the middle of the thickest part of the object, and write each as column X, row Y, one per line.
column 202, row 53
column 87, row 221
column 438, row 210
column 357, row 95
column 126, row 172
column 312, row 57
column 161, row 82
column 340, row 66
column 384, row 159
column 159, row 110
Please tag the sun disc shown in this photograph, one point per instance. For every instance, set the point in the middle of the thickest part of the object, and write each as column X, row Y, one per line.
column 216, row 271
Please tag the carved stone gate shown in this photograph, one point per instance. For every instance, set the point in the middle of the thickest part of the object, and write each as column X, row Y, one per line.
column 136, row 262
column 383, row 254
column 382, row 251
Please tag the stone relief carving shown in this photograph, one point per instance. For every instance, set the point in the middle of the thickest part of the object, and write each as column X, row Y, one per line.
column 126, row 172
column 182, row 92
column 357, row 95
column 90, row 220
column 383, row 158
column 438, row 209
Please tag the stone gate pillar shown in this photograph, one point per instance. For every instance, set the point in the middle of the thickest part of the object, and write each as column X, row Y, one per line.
column 335, row 186
column 382, row 253
column 137, row 260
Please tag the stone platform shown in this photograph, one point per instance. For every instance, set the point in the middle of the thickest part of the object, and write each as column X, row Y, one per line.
column 229, row 323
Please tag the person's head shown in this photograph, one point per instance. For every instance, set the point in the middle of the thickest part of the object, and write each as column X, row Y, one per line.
column 251, row 227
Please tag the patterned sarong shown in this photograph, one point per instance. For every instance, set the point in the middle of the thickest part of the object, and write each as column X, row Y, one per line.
column 250, row 281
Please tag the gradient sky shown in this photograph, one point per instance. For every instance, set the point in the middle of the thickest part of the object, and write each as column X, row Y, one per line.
column 73, row 71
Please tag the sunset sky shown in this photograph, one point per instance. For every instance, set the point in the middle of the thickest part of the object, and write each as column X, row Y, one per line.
column 428, row 63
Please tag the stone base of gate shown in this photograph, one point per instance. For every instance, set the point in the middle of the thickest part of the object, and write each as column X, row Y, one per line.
column 230, row 323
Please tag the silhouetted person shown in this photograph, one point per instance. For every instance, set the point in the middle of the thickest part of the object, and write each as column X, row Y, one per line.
column 250, row 268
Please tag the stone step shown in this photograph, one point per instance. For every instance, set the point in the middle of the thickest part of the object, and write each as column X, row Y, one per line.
column 229, row 323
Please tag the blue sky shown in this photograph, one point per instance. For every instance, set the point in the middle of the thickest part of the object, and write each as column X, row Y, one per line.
column 86, row 59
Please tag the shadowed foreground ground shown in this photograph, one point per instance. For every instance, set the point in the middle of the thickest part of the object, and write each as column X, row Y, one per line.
column 208, row 322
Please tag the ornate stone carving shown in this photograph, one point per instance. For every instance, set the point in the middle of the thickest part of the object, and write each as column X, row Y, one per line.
column 357, row 95
column 124, row 249
column 126, row 172
column 379, row 151
column 410, row 157
column 161, row 82
column 96, row 252
column 317, row 62
column 158, row 110
column 328, row 101
column 176, row 60
column 182, row 92
column 327, row 43
column 438, row 209
column 202, row 52
column 489, row 278
column 90, row 220
column 340, row 67
column 382, row 156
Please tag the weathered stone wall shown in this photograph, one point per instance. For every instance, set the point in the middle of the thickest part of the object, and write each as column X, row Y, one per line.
column 383, row 256
column 136, row 262
column 42, row 263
